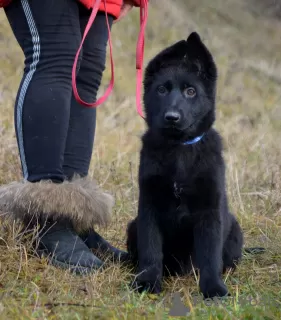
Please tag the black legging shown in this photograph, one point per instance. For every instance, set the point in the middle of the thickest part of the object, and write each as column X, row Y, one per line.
column 55, row 134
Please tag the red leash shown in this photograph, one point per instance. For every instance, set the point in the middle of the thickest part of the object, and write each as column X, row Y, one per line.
column 140, row 54
column 110, row 87
column 139, row 57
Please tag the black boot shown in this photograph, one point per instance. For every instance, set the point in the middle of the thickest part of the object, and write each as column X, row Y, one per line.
column 97, row 243
column 65, row 249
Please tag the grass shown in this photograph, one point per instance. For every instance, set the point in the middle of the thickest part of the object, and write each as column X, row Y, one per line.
column 245, row 41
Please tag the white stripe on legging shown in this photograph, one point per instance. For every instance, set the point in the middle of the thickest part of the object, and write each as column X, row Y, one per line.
column 28, row 77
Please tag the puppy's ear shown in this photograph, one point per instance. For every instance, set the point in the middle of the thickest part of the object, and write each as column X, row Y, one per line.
column 195, row 48
column 198, row 54
column 172, row 53
column 194, row 37
column 166, row 57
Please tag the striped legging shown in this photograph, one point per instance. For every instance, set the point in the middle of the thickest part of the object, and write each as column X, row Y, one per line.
column 55, row 134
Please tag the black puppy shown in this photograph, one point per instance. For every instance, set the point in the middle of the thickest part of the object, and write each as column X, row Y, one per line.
column 183, row 215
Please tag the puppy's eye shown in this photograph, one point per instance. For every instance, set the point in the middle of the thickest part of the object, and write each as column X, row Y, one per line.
column 189, row 92
column 162, row 90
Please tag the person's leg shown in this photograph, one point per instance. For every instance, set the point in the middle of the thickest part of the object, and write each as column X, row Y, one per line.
column 81, row 131
column 49, row 35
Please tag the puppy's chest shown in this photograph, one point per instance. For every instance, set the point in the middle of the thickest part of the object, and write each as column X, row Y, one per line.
column 178, row 214
column 178, row 174
column 182, row 192
column 182, row 179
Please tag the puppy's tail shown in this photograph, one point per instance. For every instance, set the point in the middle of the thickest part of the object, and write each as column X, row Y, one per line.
column 254, row 250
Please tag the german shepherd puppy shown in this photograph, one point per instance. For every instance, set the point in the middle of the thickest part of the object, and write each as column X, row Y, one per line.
column 183, row 215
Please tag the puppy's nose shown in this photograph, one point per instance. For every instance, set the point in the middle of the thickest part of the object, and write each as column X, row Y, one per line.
column 172, row 116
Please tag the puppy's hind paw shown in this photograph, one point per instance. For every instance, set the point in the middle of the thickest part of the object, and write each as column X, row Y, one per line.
column 146, row 286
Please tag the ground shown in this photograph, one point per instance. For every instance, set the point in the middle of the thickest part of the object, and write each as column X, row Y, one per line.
column 244, row 36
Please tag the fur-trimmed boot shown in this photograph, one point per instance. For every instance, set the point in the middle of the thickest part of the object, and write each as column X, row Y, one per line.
column 63, row 210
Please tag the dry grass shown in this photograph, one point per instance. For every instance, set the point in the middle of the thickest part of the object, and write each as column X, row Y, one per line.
column 247, row 49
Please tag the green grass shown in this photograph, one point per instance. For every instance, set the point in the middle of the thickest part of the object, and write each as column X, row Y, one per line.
column 246, row 46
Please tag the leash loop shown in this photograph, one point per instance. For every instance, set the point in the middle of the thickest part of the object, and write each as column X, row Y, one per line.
column 139, row 57
column 111, row 84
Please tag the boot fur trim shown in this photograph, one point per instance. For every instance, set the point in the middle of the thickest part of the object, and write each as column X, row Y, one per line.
column 80, row 201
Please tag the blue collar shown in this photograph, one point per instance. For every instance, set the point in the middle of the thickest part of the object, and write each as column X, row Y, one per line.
column 195, row 140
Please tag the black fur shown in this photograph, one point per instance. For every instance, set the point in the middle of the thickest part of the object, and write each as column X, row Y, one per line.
column 183, row 213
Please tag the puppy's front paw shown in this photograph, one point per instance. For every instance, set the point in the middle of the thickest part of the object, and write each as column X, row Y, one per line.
column 150, row 286
column 213, row 288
